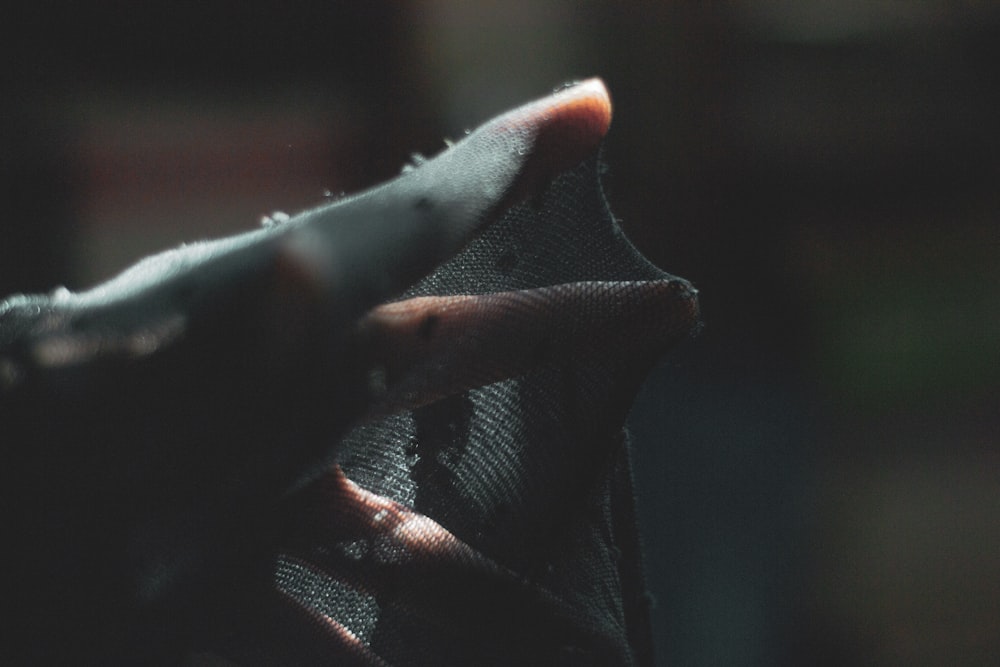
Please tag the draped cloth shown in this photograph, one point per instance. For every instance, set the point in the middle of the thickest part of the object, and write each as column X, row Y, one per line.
column 387, row 431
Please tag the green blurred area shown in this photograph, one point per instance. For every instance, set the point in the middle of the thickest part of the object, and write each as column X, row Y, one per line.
column 910, row 320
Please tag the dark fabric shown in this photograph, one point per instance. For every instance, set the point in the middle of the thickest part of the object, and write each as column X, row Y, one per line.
column 532, row 472
column 228, row 455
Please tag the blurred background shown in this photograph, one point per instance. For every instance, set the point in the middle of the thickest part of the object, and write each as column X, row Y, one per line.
column 819, row 471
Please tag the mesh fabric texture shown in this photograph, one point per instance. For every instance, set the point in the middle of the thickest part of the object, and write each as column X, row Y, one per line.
column 532, row 472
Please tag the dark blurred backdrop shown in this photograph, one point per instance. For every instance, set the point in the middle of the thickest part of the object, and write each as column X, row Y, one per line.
column 818, row 470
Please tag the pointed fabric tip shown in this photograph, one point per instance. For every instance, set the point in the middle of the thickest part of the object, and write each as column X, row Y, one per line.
column 565, row 128
column 572, row 122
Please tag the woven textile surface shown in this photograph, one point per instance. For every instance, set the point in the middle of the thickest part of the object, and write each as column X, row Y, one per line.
column 388, row 431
